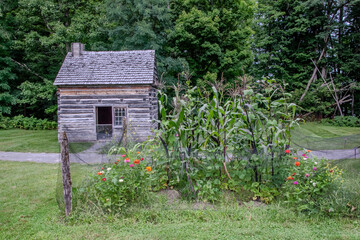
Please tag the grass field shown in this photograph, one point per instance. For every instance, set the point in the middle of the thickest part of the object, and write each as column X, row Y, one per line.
column 317, row 136
column 36, row 141
column 28, row 210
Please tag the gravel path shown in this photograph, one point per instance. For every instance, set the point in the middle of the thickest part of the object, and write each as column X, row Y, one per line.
column 91, row 156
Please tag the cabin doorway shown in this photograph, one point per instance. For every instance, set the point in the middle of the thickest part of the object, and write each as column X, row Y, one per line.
column 104, row 121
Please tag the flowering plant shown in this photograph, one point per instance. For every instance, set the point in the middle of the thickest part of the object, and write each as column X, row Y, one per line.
column 124, row 181
column 309, row 181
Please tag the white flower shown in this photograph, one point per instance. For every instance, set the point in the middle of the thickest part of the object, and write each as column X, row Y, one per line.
column 314, row 184
column 109, row 169
column 102, row 172
column 121, row 180
column 310, row 181
column 305, row 158
column 315, row 163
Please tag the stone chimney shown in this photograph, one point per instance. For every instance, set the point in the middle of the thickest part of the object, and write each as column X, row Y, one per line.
column 77, row 49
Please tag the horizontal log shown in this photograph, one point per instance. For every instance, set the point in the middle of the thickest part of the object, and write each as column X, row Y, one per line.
column 141, row 110
column 77, row 115
column 77, row 106
column 75, row 111
column 118, row 96
column 144, row 105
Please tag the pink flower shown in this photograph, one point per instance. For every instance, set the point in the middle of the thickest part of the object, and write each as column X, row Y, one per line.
column 296, row 183
column 142, row 159
column 314, row 168
column 132, row 165
column 123, row 155
column 126, row 160
column 307, row 175
column 304, row 155
column 104, row 179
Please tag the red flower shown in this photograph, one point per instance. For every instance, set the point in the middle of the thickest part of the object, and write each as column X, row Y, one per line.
column 102, row 168
column 293, row 174
column 104, row 179
column 287, row 151
column 330, row 170
column 297, row 164
column 116, row 162
column 142, row 159
column 137, row 161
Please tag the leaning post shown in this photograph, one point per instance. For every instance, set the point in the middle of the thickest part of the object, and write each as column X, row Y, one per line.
column 65, row 168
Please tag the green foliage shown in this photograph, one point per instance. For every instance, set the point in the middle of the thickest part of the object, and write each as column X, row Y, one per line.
column 213, row 38
column 28, row 123
column 290, row 35
column 347, row 121
column 215, row 141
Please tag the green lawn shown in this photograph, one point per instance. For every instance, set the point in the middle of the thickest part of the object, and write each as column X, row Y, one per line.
column 28, row 210
column 317, row 136
column 36, row 141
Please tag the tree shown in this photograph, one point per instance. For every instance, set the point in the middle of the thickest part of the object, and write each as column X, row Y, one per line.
column 7, row 99
column 302, row 43
column 213, row 36
column 144, row 24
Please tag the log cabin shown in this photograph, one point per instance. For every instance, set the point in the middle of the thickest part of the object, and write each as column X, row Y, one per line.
column 100, row 91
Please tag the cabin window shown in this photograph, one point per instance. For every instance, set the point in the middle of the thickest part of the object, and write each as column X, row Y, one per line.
column 119, row 114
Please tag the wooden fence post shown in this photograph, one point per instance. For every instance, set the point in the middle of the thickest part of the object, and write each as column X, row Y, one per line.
column 65, row 167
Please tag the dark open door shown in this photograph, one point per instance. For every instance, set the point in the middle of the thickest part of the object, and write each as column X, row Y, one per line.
column 103, row 122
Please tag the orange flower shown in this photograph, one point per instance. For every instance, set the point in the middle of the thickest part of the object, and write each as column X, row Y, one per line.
column 148, row 169
column 308, row 150
column 137, row 152
column 99, row 173
column 102, row 168
column 297, row 164
column 290, row 178
column 137, row 161
column 295, row 158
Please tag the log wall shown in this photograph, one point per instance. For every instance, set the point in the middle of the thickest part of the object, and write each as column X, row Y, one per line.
column 77, row 110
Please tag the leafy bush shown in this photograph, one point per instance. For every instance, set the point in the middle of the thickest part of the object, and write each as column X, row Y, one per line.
column 28, row 123
column 338, row 121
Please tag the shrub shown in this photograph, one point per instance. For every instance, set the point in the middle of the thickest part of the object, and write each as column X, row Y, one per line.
column 338, row 121
column 28, row 123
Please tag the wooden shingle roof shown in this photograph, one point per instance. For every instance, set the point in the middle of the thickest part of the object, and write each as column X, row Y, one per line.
column 111, row 67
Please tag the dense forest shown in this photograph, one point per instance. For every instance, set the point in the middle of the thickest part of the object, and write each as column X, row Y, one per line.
column 312, row 47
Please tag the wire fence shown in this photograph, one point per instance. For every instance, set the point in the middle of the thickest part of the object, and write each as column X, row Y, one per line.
column 85, row 163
